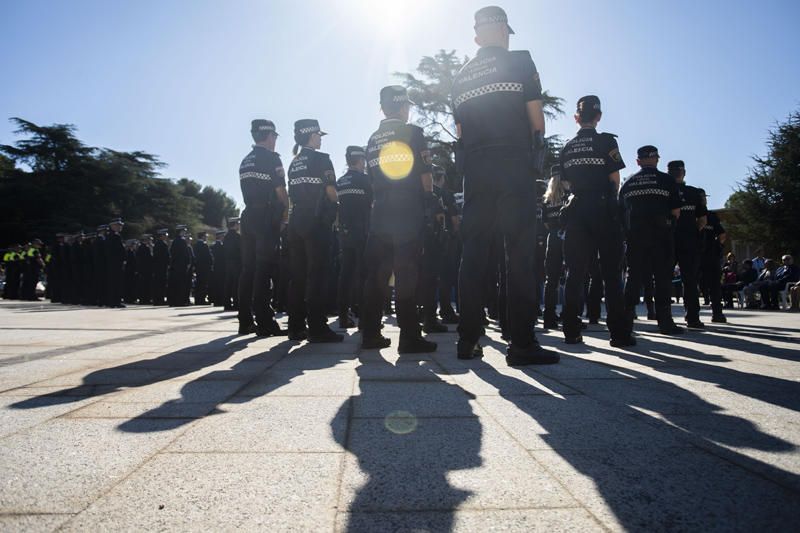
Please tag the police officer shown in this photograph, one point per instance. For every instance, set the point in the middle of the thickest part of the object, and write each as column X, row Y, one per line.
column 130, row 271
column 398, row 163
column 115, row 263
column 355, row 201
column 554, row 199
column 450, row 256
column 233, row 264
column 312, row 190
column 712, row 241
column 56, row 270
column 203, row 266
column 144, row 270
column 434, row 236
column 263, row 184
column 33, row 265
column 591, row 162
column 13, row 273
column 218, row 269
column 497, row 98
column 649, row 201
column 82, row 257
column 687, row 241
column 180, row 261
column 161, row 262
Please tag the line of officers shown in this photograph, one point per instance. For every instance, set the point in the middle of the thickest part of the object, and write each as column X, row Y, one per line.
column 101, row 269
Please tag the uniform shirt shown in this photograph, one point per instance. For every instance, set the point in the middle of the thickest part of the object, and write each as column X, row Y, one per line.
column 233, row 251
column 449, row 203
column 490, row 94
column 710, row 233
column 552, row 212
column 202, row 254
column 309, row 173
column 179, row 254
column 355, row 201
column 692, row 208
column 400, row 150
column 588, row 159
column 260, row 173
column 115, row 250
column 647, row 198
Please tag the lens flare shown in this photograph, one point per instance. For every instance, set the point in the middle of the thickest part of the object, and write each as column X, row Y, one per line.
column 396, row 160
column 400, row 422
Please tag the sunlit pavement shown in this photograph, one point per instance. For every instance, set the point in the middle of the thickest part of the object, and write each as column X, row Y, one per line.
column 163, row 419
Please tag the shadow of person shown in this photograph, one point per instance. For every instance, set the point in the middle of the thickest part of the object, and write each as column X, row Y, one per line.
column 142, row 372
column 664, row 470
column 408, row 429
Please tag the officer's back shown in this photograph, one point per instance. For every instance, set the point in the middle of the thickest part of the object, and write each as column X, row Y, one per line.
column 648, row 197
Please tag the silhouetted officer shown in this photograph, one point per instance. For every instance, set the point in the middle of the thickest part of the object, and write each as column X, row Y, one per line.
column 355, row 201
column 203, row 266
column 649, row 201
column 497, row 98
column 687, row 241
column 100, row 266
column 130, row 286
column 398, row 162
column 263, row 184
column 434, row 236
column 217, row 286
column 451, row 255
column 83, row 268
column 591, row 162
column 712, row 238
column 233, row 264
column 312, row 190
column 32, row 270
column 554, row 199
column 144, row 270
column 160, row 267
column 56, row 271
column 115, row 263
column 180, row 261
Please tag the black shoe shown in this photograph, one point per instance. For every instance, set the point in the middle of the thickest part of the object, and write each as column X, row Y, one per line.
column 299, row 335
column 450, row 318
column 623, row 342
column 468, row 350
column 325, row 335
column 670, row 329
column 573, row 339
column 719, row 319
column 272, row 329
column 550, row 324
column 415, row 345
column 372, row 343
column 434, row 326
column 651, row 316
column 530, row 355
column 583, row 325
column 695, row 324
column 594, row 320
column 345, row 322
column 247, row 329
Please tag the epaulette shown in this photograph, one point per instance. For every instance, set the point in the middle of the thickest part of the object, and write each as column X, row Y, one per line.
column 609, row 134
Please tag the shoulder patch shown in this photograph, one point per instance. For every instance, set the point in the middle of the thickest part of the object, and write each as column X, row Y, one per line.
column 608, row 134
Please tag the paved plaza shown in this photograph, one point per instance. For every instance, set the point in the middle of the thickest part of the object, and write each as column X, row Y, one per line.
column 148, row 418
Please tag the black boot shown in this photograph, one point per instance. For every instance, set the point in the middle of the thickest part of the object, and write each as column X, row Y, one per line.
column 325, row 334
column 533, row 354
column 416, row 344
column 432, row 325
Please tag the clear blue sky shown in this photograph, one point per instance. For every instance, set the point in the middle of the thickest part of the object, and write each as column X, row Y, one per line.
column 702, row 80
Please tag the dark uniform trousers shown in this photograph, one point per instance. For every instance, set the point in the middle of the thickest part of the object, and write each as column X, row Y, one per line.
column 309, row 246
column 589, row 230
column 712, row 279
column 430, row 265
column 351, row 271
column 554, row 260
column 385, row 254
column 448, row 278
column 688, row 256
column 259, row 237
column 650, row 254
column 594, row 290
column 499, row 197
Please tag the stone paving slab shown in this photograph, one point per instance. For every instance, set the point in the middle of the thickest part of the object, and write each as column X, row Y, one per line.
column 163, row 419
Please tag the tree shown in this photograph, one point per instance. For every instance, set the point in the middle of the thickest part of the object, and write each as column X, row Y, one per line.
column 768, row 200
column 430, row 88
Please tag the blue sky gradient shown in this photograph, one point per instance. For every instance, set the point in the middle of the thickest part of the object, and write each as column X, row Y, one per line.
column 702, row 80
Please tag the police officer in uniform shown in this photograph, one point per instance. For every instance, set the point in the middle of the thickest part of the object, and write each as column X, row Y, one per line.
column 144, row 270
column 32, row 271
column 204, row 264
column 355, row 201
column 591, row 162
column 218, row 269
column 56, row 271
column 312, row 190
column 398, row 163
column 82, row 258
column 115, row 264
column 498, row 113
column 130, row 271
column 649, row 201
column 160, row 266
column 263, row 184
column 100, row 267
column 233, row 265
column 434, row 236
column 451, row 255
column 554, row 199
column 713, row 238
column 180, row 261
column 687, row 241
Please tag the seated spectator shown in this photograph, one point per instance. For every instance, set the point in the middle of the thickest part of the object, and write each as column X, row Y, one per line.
column 767, row 275
column 787, row 273
column 735, row 281
column 794, row 296
column 731, row 263
column 758, row 261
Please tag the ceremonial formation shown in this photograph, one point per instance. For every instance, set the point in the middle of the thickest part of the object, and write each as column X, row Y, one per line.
column 390, row 237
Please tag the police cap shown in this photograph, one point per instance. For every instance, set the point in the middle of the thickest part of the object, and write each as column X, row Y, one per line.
column 234, row 220
column 201, row 234
column 102, row 227
column 394, row 96
column 306, row 126
column 675, row 165
column 162, row 231
column 646, row 152
column 91, row 235
column 220, row 232
column 117, row 221
column 355, row 151
column 261, row 126
column 587, row 102
column 146, row 237
column 181, row 227
column 491, row 15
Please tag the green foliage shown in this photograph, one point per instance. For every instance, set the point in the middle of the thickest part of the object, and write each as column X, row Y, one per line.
column 767, row 202
column 50, row 182
column 430, row 89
